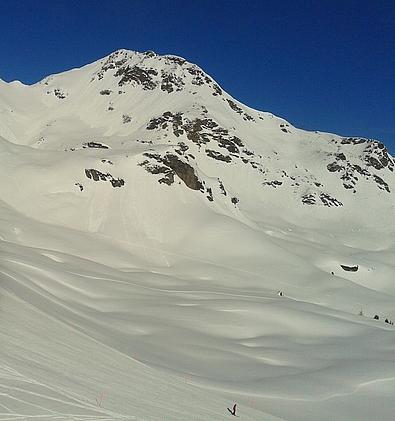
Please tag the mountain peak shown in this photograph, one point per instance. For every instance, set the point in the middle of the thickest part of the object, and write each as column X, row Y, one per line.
column 168, row 73
column 175, row 123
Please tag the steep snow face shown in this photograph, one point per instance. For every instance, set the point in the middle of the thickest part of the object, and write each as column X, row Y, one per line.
column 155, row 217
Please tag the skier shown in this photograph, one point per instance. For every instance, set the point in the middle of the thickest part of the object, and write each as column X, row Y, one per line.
column 233, row 410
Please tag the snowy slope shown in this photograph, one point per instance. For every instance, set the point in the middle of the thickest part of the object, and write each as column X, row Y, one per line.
column 149, row 220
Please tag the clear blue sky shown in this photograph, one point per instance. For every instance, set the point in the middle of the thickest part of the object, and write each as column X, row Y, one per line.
column 324, row 65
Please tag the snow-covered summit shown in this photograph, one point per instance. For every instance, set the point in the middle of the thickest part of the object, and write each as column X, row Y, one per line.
column 172, row 122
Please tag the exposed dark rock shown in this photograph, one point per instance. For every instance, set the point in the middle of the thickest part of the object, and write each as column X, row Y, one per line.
column 105, row 92
column 119, row 182
column 182, row 148
column 349, row 268
column 138, row 75
column 217, row 90
column 184, row 171
column 150, row 54
column 239, row 110
column 374, row 155
column 126, row 118
column 381, row 183
column 172, row 165
column 96, row 175
column 229, row 145
column 199, row 77
column 80, row 186
column 58, row 93
column 234, row 200
column 234, row 106
column 164, row 120
column 171, row 82
column 334, row 167
column 148, row 142
column 361, row 171
column 174, row 59
column 222, row 188
column 218, row 156
column 199, row 131
column 353, row 140
column 309, row 199
column 96, row 145
column 328, row 200
column 274, row 183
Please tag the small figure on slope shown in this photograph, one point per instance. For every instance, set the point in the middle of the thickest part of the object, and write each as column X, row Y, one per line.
column 233, row 410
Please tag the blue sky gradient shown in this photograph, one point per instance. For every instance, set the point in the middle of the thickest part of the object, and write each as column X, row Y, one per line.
column 322, row 65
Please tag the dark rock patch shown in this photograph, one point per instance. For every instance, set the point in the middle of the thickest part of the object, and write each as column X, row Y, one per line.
column 381, row 183
column 126, row 119
column 239, row 110
column 58, row 93
column 95, row 145
column 328, row 200
column 217, row 90
column 138, row 75
column 171, row 165
column 274, row 183
column 166, row 119
column 182, row 148
column 184, row 171
column 171, row 82
column 148, row 142
column 334, row 167
column 96, row 175
column 349, row 268
column 218, row 156
column 222, row 188
column 174, row 59
column 309, row 199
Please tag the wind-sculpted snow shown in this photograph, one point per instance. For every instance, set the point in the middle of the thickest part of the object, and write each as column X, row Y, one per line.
column 129, row 339
column 166, row 252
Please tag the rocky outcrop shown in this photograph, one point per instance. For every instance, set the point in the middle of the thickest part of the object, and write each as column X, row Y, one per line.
column 96, row 175
column 350, row 268
column 170, row 165
column 374, row 157
column 96, row 145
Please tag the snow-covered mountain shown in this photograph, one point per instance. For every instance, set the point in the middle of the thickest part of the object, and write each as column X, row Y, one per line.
column 148, row 221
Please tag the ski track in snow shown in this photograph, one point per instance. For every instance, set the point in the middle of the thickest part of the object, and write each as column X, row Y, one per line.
column 69, row 400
